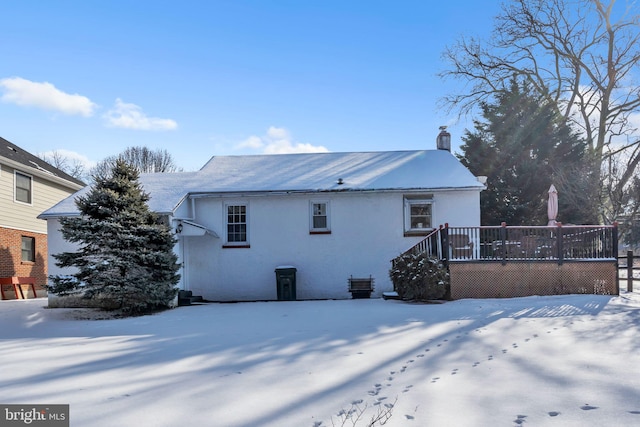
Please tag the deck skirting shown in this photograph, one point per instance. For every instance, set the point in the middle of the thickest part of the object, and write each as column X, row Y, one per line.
column 526, row 278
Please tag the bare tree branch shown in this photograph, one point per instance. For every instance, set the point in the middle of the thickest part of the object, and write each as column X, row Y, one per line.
column 584, row 55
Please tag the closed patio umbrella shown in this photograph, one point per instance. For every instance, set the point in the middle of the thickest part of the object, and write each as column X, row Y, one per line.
column 552, row 206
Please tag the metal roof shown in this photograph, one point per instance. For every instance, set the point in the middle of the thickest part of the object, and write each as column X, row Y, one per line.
column 427, row 170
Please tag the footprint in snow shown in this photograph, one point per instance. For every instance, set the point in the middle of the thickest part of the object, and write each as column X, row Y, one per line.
column 435, row 379
column 420, row 355
column 475, row 364
column 554, row 413
column 520, row 419
column 409, row 417
column 455, row 371
column 588, row 407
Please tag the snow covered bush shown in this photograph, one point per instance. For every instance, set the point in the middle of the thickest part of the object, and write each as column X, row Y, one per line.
column 418, row 277
column 125, row 258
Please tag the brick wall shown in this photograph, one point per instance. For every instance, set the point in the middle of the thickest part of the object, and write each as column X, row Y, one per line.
column 11, row 254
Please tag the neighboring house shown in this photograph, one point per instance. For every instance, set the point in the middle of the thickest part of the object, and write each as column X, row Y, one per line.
column 28, row 185
column 331, row 216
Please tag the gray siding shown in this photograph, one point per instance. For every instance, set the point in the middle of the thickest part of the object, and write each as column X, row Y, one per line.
column 22, row 216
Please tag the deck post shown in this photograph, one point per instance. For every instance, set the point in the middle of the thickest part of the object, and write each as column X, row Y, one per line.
column 560, row 246
column 444, row 240
column 629, row 271
column 503, row 237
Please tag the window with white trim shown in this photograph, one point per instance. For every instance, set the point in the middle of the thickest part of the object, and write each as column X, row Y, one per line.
column 418, row 214
column 237, row 224
column 319, row 217
column 23, row 186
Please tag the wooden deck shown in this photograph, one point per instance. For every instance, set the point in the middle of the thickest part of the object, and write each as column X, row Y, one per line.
column 508, row 261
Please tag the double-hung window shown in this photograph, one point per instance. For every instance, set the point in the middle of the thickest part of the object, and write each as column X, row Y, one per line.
column 23, row 189
column 319, row 217
column 28, row 249
column 418, row 214
column 237, row 225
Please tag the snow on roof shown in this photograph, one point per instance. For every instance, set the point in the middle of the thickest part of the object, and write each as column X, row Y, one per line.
column 308, row 172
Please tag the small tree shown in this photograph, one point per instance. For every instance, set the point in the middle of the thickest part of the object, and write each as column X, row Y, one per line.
column 126, row 253
column 523, row 146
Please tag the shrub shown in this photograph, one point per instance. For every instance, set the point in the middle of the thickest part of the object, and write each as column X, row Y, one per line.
column 418, row 277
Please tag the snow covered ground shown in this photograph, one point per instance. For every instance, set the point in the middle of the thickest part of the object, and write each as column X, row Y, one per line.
column 539, row 361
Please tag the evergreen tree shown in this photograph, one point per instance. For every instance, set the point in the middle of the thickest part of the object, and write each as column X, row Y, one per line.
column 125, row 254
column 523, row 146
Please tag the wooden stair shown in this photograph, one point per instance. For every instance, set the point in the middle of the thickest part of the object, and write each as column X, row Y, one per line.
column 187, row 298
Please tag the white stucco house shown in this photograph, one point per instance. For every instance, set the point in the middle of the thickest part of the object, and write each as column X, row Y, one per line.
column 331, row 216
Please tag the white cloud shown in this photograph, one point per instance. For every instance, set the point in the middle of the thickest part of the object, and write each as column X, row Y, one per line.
column 278, row 133
column 44, row 95
column 131, row 116
column 253, row 142
column 278, row 141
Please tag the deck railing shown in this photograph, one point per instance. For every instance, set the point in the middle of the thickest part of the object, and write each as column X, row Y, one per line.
column 431, row 245
column 531, row 243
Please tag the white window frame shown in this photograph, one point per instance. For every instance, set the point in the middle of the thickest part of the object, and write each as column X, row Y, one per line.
column 232, row 243
column 409, row 202
column 15, row 187
column 312, row 214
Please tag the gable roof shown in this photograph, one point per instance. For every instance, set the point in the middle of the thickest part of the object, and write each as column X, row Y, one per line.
column 428, row 170
column 15, row 156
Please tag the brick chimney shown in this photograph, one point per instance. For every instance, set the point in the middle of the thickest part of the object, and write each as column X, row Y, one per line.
column 443, row 141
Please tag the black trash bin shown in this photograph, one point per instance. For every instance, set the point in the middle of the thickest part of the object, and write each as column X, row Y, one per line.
column 286, row 283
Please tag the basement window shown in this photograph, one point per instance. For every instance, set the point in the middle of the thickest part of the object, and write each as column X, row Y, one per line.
column 28, row 249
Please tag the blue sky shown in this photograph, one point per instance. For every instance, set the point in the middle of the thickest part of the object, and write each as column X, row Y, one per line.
column 204, row 78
